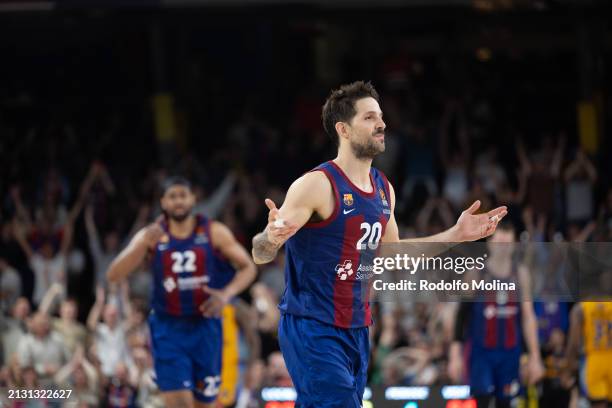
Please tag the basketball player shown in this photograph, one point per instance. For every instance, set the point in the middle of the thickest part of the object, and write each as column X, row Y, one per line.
column 328, row 216
column 188, row 254
column 593, row 322
column 495, row 324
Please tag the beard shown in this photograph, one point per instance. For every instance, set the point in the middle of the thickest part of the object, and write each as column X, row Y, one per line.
column 369, row 149
column 179, row 217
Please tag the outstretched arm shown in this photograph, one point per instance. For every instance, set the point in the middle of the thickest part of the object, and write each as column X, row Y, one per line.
column 469, row 227
column 307, row 195
column 96, row 309
column 45, row 304
column 83, row 193
column 21, row 211
column 92, row 234
column 19, row 235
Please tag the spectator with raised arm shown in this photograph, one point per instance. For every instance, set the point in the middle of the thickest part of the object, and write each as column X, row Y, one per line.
column 545, row 169
column 455, row 158
column 580, row 177
column 72, row 332
column 105, row 250
column 80, row 376
column 435, row 216
column 109, row 335
column 48, row 265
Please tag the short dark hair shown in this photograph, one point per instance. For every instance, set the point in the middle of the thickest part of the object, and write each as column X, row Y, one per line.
column 340, row 105
column 175, row 181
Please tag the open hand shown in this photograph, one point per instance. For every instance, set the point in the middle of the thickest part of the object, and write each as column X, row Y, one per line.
column 471, row 226
column 277, row 234
column 215, row 303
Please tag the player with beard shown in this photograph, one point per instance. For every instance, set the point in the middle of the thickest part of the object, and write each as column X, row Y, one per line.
column 329, row 216
column 190, row 258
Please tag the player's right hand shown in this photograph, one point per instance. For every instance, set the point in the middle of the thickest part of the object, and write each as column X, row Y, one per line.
column 277, row 235
column 153, row 233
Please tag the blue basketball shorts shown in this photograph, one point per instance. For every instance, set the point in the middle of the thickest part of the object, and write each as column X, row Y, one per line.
column 328, row 364
column 187, row 354
column 494, row 372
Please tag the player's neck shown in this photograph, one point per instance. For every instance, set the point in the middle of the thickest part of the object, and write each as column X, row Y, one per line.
column 182, row 229
column 357, row 170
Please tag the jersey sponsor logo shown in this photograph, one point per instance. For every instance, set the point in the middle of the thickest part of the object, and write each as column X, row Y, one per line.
column 162, row 247
column 501, row 312
column 169, row 284
column 348, row 199
column 345, row 211
column 191, row 283
column 344, row 270
column 364, row 272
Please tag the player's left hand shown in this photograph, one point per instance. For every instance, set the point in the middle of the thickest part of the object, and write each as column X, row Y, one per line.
column 535, row 370
column 471, row 226
column 214, row 305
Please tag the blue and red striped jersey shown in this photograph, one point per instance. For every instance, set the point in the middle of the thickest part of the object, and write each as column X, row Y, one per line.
column 325, row 271
column 495, row 319
column 182, row 267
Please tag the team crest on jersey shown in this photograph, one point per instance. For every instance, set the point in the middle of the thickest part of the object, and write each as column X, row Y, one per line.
column 348, row 199
column 383, row 197
column 164, row 239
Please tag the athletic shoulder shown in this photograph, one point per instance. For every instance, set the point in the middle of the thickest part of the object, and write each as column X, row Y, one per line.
column 221, row 233
column 311, row 185
column 315, row 178
column 308, row 194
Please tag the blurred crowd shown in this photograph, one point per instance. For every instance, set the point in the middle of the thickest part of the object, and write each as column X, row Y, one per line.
column 75, row 189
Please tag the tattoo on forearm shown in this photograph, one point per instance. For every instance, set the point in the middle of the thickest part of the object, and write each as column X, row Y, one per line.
column 263, row 249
